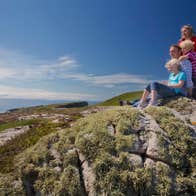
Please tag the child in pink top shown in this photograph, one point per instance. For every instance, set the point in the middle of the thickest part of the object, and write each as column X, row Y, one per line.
column 188, row 53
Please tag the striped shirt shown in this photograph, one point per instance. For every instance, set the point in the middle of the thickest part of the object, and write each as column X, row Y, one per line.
column 186, row 67
column 192, row 58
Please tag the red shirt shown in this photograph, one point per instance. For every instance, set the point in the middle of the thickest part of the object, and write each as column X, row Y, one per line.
column 193, row 39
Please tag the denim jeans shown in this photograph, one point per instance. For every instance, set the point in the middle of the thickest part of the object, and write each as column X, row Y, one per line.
column 161, row 89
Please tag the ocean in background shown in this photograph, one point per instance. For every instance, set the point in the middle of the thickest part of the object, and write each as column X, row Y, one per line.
column 7, row 104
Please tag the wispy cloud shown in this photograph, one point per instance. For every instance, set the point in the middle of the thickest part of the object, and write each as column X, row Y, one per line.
column 14, row 65
column 51, row 70
column 13, row 92
column 62, row 63
column 6, row 73
column 108, row 80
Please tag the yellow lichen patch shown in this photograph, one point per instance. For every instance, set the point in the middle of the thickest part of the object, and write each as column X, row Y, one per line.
column 180, row 104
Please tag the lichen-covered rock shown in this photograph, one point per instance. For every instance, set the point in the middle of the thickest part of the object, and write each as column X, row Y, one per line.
column 118, row 151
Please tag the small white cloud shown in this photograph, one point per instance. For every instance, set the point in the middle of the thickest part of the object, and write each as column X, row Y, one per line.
column 66, row 60
column 64, row 63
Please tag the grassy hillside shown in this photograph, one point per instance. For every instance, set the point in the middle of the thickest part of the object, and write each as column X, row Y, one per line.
column 101, row 150
column 117, row 151
column 130, row 96
column 51, row 107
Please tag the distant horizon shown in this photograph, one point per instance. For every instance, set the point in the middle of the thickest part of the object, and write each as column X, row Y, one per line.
column 9, row 104
column 49, row 99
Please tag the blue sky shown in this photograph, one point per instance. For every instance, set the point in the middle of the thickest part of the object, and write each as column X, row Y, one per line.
column 86, row 49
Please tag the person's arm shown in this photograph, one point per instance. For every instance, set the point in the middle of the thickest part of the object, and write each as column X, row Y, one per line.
column 179, row 85
column 184, row 57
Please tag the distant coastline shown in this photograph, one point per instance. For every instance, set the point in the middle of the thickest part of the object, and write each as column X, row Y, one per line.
column 8, row 104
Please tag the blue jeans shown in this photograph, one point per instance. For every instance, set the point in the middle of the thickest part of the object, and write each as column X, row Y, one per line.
column 161, row 89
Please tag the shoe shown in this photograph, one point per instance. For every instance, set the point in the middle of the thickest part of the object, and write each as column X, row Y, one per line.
column 142, row 105
column 153, row 103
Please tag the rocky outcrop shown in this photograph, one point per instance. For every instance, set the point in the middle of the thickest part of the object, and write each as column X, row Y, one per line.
column 114, row 151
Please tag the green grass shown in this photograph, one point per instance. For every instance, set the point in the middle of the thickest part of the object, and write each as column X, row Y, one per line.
column 50, row 108
column 14, row 124
column 130, row 96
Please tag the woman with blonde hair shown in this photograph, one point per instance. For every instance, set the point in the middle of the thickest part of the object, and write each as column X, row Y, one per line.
column 174, row 86
column 187, row 33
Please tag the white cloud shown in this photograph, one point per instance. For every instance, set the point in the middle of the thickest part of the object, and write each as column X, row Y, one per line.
column 108, row 80
column 23, row 93
column 14, row 65
column 119, row 79
column 64, row 62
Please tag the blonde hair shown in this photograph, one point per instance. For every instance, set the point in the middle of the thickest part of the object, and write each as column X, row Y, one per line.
column 188, row 44
column 173, row 62
column 190, row 29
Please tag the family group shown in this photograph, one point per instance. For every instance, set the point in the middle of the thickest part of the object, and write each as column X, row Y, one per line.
column 182, row 69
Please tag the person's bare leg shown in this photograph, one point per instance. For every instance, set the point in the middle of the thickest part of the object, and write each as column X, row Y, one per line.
column 144, row 96
column 153, row 96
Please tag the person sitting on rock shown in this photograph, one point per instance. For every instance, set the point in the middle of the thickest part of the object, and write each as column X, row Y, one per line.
column 174, row 86
column 175, row 52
